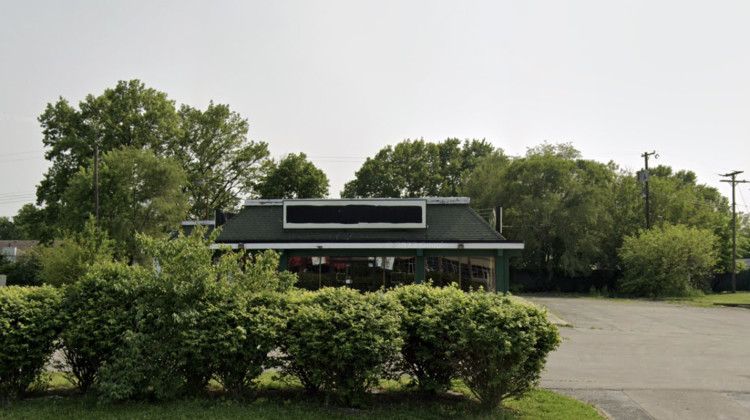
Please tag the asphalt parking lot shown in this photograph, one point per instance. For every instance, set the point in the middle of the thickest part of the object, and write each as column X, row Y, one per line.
column 652, row 360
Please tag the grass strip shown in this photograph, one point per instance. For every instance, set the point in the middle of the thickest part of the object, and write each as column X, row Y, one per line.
column 283, row 400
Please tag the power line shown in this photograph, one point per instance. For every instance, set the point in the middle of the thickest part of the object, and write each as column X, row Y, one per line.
column 742, row 197
column 24, row 153
column 22, row 159
column 675, row 197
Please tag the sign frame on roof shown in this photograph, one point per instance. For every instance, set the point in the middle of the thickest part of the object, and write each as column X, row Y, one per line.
column 355, row 214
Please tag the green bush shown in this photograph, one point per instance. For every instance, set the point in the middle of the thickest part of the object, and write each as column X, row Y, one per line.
column 338, row 339
column 430, row 326
column 167, row 353
column 95, row 313
column 503, row 347
column 243, row 329
column 671, row 260
column 28, row 331
column 192, row 314
column 69, row 258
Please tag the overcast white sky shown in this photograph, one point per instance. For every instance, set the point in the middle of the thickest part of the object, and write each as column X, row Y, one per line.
column 339, row 80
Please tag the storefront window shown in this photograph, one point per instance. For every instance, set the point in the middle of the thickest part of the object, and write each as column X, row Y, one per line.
column 373, row 273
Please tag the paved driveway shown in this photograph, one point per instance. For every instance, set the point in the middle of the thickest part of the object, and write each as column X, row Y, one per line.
column 652, row 360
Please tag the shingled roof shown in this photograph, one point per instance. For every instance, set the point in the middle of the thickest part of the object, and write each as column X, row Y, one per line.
column 448, row 220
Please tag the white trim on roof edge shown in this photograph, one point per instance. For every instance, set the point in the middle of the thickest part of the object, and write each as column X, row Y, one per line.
column 429, row 200
column 376, row 245
column 198, row 222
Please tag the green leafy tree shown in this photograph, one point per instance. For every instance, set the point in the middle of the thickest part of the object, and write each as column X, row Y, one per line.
column 668, row 260
column 743, row 235
column 9, row 230
column 484, row 185
column 557, row 205
column 34, row 223
column 418, row 169
column 128, row 115
column 222, row 165
column 138, row 192
column 293, row 177
column 677, row 198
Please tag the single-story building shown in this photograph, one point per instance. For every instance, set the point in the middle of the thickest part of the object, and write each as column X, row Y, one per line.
column 370, row 243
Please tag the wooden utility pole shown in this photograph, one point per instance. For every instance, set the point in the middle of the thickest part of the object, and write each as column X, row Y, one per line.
column 645, row 155
column 96, row 185
column 734, row 182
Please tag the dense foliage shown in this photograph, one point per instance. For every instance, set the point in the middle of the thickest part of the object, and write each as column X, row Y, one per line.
column 431, row 331
column 503, row 347
column 138, row 192
column 415, row 168
column 221, row 164
column 161, row 164
column 573, row 214
column 24, row 271
column 9, row 230
column 338, row 339
column 243, row 330
column 668, row 260
column 293, row 177
column 95, row 313
column 28, row 329
column 132, row 333
column 69, row 259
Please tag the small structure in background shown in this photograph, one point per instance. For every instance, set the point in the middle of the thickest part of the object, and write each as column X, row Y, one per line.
column 12, row 250
column 371, row 243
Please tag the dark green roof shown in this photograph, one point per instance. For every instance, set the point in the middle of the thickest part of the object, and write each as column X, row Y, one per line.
column 454, row 222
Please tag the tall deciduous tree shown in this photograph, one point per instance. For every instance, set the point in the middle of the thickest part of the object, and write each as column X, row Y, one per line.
column 9, row 230
column 418, row 169
column 128, row 115
column 555, row 203
column 222, row 165
column 293, row 177
column 34, row 223
column 677, row 198
column 139, row 192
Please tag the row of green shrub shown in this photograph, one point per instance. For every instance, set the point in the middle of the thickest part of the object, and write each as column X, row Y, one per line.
column 136, row 333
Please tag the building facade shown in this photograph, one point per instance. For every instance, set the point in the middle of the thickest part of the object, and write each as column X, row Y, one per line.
column 372, row 243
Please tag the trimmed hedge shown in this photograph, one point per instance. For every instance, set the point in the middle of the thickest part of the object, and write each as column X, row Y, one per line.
column 28, row 330
column 95, row 313
column 339, row 339
column 430, row 326
column 128, row 333
column 503, row 347
column 244, row 330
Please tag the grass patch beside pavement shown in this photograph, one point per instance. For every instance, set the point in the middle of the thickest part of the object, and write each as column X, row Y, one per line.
column 729, row 299
column 276, row 400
